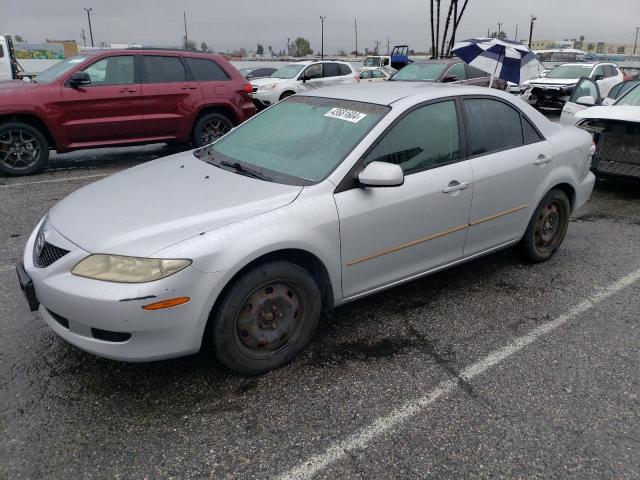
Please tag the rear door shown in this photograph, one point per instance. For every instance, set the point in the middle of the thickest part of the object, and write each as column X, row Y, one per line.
column 579, row 100
column 109, row 109
column 511, row 164
column 171, row 97
column 215, row 83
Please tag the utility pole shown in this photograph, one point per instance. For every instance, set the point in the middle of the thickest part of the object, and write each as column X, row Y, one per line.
column 84, row 38
column 186, row 34
column 499, row 28
column 288, row 48
column 355, row 24
column 388, row 45
column 89, row 10
column 322, row 19
column 533, row 19
column 635, row 44
column 516, row 39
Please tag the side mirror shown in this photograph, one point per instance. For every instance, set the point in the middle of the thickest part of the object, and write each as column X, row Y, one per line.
column 381, row 174
column 449, row 79
column 79, row 79
column 586, row 100
column 599, row 77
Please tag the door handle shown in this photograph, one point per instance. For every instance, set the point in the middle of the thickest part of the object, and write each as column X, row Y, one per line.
column 189, row 87
column 542, row 159
column 128, row 90
column 455, row 186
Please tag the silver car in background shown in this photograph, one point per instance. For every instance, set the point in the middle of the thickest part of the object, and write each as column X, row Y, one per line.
column 321, row 199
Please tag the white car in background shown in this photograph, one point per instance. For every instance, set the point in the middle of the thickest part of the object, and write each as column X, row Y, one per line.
column 553, row 91
column 373, row 75
column 299, row 77
column 587, row 94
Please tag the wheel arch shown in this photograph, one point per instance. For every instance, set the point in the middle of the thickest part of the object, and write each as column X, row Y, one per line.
column 287, row 93
column 569, row 190
column 33, row 121
column 225, row 110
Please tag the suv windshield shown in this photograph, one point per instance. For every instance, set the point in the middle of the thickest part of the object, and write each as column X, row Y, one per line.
column 298, row 141
column 60, row 68
column 632, row 97
column 420, row 72
column 373, row 62
column 570, row 71
column 288, row 71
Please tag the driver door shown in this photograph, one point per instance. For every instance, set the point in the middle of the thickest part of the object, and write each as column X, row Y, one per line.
column 311, row 77
column 586, row 94
column 390, row 234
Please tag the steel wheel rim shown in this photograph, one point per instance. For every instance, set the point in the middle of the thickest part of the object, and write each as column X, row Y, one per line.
column 19, row 150
column 213, row 129
column 548, row 227
column 269, row 319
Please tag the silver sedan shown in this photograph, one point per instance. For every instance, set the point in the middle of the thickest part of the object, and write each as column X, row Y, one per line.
column 321, row 199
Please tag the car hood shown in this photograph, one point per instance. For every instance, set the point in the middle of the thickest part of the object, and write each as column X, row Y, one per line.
column 152, row 206
column 625, row 113
column 554, row 81
column 268, row 81
column 9, row 87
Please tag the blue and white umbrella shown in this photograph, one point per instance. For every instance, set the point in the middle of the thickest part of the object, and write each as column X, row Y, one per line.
column 503, row 59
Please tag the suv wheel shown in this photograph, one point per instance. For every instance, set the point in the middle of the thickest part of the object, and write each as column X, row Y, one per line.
column 23, row 149
column 547, row 228
column 266, row 318
column 209, row 128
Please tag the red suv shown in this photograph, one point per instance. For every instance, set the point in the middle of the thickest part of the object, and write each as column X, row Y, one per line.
column 119, row 97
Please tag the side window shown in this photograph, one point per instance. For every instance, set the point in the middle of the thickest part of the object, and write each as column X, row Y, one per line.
column 344, row 69
column 313, row 71
column 112, row 71
column 473, row 72
column 457, row 71
column 366, row 74
column 157, row 69
column 615, row 90
column 599, row 71
column 205, row 70
column 491, row 126
column 425, row 138
column 530, row 134
column 330, row 70
column 1, row 51
column 377, row 74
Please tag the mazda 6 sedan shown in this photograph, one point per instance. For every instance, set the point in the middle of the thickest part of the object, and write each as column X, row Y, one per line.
column 324, row 198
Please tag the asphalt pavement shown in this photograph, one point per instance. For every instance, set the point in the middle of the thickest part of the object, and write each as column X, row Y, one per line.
column 493, row 369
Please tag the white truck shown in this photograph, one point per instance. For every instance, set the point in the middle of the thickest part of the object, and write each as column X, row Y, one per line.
column 38, row 58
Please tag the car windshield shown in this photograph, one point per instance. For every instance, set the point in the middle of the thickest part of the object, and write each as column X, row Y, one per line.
column 570, row 71
column 288, row 71
column 632, row 97
column 60, row 68
column 298, row 141
column 373, row 62
column 420, row 72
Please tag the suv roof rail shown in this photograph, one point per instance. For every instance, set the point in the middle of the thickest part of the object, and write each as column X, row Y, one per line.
column 166, row 49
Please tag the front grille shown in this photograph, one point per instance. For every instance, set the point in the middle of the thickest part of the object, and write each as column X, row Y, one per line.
column 48, row 255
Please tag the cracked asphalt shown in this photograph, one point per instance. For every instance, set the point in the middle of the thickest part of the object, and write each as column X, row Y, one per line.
column 565, row 406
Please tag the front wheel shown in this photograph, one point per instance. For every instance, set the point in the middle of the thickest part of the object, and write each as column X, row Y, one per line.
column 547, row 228
column 209, row 128
column 266, row 318
column 23, row 149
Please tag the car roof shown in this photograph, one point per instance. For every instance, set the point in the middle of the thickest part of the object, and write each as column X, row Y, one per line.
column 386, row 93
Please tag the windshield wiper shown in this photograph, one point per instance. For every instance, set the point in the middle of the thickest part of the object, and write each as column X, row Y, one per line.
column 242, row 170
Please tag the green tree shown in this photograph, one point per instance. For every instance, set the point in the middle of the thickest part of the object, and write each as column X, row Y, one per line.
column 270, row 48
column 301, row 47
column 189, row 44
column 204, row 47
column 260, row 50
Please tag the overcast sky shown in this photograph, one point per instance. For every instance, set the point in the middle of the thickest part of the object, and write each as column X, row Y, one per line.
column 244, row 23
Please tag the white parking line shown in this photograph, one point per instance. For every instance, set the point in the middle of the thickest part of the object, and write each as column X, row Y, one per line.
column 53, row 180
column 384, row 424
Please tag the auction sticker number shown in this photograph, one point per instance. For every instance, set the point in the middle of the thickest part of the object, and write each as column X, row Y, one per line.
column 344, row 114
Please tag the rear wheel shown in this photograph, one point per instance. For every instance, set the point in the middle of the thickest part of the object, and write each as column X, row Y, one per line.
column 266, row 318
column 23, row 149
column 547, row 228
column 209, row 128
column 286, row 94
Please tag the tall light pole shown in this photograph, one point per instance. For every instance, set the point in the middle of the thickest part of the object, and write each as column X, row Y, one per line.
column 635, row 44
column 499, row 28
column 89, row 10
column 322, row 19
column 533, row 19
column 186, row 34
column 355, row 24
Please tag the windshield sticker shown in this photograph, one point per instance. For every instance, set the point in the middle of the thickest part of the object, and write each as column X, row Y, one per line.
column 344, row 114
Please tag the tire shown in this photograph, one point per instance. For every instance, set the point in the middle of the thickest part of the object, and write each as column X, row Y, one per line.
column 23, row 149
column 209, row 128
column 266, row 318
column 547, row 228
column 286, row 95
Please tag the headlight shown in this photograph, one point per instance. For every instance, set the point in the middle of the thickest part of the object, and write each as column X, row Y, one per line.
column 115, row 268
column 271, row 86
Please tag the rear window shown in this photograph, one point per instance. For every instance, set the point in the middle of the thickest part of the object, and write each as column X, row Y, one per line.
column 420, row 72
column 330, row 70
column 205, row 70
column 157, row 69
column 344, row 69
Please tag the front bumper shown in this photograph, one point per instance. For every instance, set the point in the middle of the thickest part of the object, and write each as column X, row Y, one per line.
column 584, row 190
column 548, row 97
column 265, row 99
column 107, row 319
